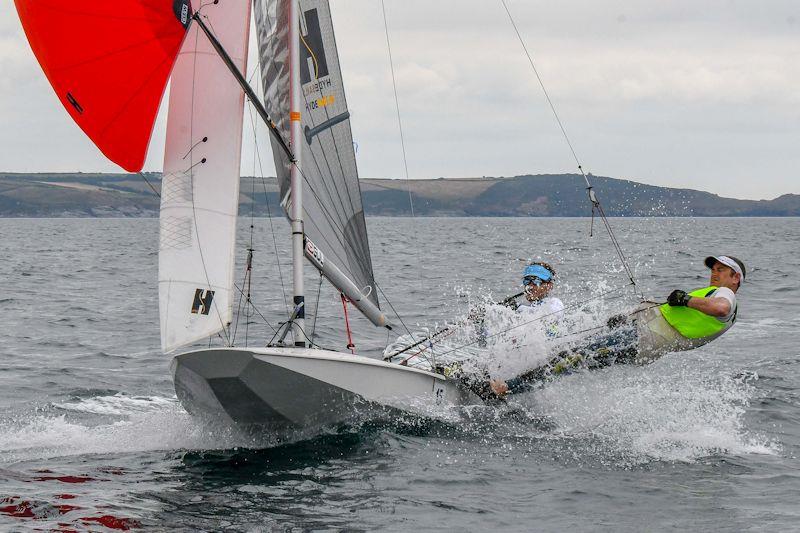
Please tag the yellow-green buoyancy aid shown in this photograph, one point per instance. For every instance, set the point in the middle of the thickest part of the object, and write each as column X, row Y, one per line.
column 691, row 323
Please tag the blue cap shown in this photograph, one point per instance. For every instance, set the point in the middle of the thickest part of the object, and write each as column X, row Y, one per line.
column 537, row 271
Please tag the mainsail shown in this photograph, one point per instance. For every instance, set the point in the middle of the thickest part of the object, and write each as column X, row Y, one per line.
column 200, row 186
column 108, row 62
column 333, row 215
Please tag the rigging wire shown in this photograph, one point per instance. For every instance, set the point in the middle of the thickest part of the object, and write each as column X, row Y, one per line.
column 316, row 308
column 305, row 335
column 419, row 262
column 250, row 248
column 397, row 107
column 141, row 175
column 249, row 261
column 592, row 195
column 350, row 345
column 238, row 310
column 601, row 326
column 260, row 314
column 576, row 305
column 266, row 201
column 388, row 301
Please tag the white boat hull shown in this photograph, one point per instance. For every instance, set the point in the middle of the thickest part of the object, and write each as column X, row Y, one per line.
column 298, row 388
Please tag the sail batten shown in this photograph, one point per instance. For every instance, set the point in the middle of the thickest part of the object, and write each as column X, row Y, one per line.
column 333, row 212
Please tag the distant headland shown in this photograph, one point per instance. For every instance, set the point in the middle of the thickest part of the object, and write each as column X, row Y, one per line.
column 543, row 195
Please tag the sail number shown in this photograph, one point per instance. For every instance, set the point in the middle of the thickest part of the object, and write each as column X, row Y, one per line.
column 438, row 392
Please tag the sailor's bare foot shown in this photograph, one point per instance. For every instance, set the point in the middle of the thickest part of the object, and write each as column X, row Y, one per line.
column 498, row 386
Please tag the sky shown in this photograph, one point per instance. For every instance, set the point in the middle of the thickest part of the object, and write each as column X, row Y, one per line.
column 701, row 94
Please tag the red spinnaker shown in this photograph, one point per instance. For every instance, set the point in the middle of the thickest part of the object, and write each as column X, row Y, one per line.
column 109, row 62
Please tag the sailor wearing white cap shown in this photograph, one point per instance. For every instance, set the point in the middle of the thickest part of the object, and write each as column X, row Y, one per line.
column 709, row 311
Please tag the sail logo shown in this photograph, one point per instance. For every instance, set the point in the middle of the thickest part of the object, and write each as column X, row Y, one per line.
column 312, row 49
column 317, row 86
column 202, row 301
column 182, row 11
column 325, row 101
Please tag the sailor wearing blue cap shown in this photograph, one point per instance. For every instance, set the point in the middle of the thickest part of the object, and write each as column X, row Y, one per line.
column 537, row 280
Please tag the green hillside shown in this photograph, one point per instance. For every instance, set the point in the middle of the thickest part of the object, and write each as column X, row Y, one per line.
column 129, row 195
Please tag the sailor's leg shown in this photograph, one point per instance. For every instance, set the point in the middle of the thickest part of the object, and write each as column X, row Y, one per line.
column 477, row 382
column 656, row 336
column 563, row 363
column 618, row 346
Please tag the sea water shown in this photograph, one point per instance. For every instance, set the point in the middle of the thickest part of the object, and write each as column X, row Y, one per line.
column 92, row 436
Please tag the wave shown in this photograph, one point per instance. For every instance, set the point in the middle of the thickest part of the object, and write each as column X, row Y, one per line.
column 673, row 410
column 670, row 412
column 139, row 423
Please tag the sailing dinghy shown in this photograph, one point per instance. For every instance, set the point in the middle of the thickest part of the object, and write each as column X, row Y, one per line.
column 109, row 64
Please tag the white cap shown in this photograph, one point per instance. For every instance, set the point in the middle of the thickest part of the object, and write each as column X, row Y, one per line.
column 728, row 261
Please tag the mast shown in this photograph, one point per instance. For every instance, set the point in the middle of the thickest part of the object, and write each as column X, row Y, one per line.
column 300, row 73
column 296, row 185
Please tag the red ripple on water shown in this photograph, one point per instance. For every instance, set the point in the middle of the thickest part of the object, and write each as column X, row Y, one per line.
column 24, row 509
column 112, row 522
column 18, row 509
column 65, row 479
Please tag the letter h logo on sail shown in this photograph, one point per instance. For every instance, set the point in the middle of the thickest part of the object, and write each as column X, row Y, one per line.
column 312, row 49
column 202, row 301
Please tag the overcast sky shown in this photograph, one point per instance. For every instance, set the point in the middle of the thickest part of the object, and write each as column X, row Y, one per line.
column 681, row 93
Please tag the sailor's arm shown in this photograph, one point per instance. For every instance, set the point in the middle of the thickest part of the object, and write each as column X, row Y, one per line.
column 713, row 306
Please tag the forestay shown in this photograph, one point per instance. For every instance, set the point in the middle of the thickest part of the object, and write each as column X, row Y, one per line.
column 200, row 188
column 333, row 215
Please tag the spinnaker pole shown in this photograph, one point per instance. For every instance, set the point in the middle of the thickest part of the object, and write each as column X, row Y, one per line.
column 296, row 183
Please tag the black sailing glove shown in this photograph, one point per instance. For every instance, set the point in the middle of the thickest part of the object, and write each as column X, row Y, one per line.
column 678, row 299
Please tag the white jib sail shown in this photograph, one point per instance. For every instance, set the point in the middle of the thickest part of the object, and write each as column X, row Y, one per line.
column 200, row 187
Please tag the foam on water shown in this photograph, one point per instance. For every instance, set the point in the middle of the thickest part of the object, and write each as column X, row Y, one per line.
column 155, row 423
column 679, row 409
column 664, row 412
column 140, row 424
column 118, row 404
